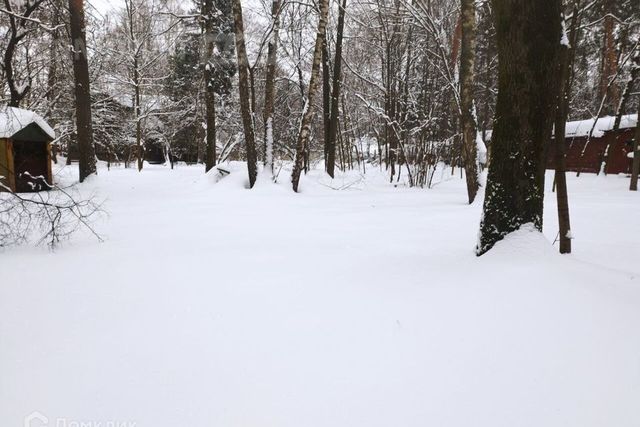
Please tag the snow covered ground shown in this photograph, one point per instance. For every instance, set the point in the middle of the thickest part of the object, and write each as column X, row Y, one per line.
column 212, row 305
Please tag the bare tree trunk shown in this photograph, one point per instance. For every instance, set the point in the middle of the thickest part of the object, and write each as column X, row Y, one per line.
column 209, row 93
column 52, row 76
column 633, row 186
column 609, row 60
column 270, row 86
column 528, row 34
column 562, row 111
column 245, row 95
column 308, row 111
column 84, row 131
column 138, row 112
column 626, row 94
column 136, row 84
column 16, row 33
column 467, row 119
column 326, row 98
column 335, row 94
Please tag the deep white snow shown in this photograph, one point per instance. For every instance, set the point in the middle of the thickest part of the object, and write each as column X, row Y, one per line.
column 212, row 305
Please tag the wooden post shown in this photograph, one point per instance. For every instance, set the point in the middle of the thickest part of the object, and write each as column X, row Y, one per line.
column 49, row 173
column 11, row 166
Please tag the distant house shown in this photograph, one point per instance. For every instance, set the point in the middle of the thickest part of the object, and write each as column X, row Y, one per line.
column 25, row 152
column 606, row 151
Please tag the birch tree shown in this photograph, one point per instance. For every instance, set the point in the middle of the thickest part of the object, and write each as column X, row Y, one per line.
column 270, row 86
column 308, row 110
column 245, row 95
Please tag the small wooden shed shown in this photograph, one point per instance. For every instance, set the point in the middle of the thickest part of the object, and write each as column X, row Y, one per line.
column 607, row 150
column 25, row 151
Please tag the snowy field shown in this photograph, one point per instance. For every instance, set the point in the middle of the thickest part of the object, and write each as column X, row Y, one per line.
column 211, row 305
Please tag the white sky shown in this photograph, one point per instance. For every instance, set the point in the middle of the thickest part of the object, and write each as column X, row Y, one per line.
column 105, row 6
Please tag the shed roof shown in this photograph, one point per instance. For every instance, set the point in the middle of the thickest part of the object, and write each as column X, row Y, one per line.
column 14, row 120
column 581, row 128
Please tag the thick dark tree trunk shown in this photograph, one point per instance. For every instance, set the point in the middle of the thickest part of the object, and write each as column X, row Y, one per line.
column 209, row 90
column 468, row 119
column 528, row 45
column 84, row 131
column 245, row 95
column 308, row 111
column 335, row 94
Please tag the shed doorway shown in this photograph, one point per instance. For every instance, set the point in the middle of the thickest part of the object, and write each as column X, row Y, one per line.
column 31, row 165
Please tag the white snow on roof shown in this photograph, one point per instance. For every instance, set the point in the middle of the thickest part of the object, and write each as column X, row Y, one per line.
column 13, row 120
column 580, row 128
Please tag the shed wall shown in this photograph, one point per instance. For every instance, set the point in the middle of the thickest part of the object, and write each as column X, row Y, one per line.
column 6, row 164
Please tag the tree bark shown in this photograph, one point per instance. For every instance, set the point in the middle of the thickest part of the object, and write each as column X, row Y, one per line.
column 245, row 95
column 609, row 60
column 209, row 90
column 626, row 94
column 84, row 131
column 335, row 94
column 326, row 99
column 562, row 112
column 633, row 186
column 308, row 110
column 528, row 34
column 138, row 112
column 52, row 75
column 16, row 33
column 467, row 78
column 270, row 86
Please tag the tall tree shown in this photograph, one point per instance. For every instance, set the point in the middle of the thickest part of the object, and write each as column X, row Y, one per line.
column 468, row 117
column 565, row 64
column 270, row 85
column 209, row 12
column 244, row 91
column 84, row 131
column 529, row 35
column 609, row 61
column 335, row 93
column 635, row 169
column 326, row 97
column 20, row 25
column 308, row 110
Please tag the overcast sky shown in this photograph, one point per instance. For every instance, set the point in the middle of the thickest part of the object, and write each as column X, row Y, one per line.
column 104, row 6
